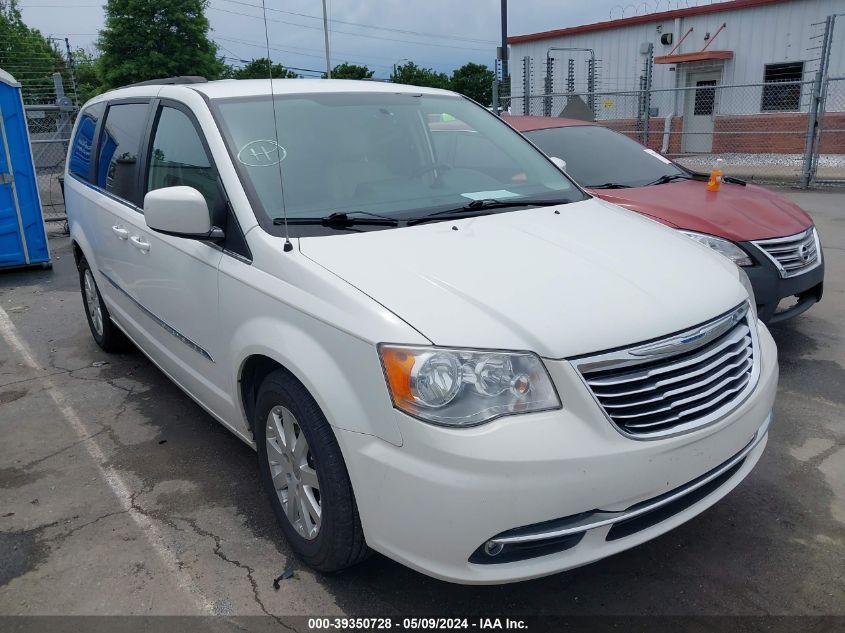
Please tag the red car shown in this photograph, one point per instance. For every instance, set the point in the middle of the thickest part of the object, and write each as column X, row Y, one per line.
column 771, row 238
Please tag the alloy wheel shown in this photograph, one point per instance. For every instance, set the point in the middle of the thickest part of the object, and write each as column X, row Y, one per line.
column 92, row 302
column 293, row 473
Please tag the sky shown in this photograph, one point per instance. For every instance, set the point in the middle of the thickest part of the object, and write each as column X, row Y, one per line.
column 439, row 34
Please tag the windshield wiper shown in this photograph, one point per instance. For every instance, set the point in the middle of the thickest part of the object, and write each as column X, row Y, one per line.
column 668, row 178
column 609, row 185
column 472, row 209
column 343, row 219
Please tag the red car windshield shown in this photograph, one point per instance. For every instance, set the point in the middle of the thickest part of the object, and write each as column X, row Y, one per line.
column 596, row 156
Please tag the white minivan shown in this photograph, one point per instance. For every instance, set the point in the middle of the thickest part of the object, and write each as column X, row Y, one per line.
column 440, row 346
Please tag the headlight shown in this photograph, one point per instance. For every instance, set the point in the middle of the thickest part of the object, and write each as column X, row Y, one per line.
column 746, row 282
column 723, row 247
column 457, row 387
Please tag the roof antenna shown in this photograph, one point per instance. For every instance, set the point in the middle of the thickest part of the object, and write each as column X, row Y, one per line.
column 288, row 247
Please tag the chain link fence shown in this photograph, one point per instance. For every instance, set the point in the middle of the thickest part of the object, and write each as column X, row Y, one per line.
column 788, row 129
column 50, row 119
column 760, row 130
column 49, row 133
column 830, row 166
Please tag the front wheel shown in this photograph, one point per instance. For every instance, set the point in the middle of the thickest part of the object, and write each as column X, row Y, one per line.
column 305, row 477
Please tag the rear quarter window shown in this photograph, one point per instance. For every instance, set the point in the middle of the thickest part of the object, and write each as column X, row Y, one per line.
column 82, row 148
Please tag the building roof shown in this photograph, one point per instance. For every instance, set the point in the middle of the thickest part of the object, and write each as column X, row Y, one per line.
column 732, row 5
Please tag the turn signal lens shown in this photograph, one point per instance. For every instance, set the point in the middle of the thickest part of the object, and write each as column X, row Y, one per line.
column 457, row 387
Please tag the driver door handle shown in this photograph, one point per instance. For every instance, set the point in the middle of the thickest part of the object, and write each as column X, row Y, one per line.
column 140, row 244
column 120, row 232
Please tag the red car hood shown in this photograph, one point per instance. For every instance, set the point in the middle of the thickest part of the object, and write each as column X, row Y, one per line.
column 735, row 212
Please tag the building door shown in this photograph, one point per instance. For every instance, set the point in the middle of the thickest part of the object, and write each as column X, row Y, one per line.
column 699, row 112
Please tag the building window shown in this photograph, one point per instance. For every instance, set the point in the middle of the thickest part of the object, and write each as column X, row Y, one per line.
column 778, row 95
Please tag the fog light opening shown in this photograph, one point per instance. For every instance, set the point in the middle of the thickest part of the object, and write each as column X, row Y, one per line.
column 492, row 548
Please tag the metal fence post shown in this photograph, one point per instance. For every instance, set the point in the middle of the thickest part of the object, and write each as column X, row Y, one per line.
column 495, row 98
column 526, row 84
column 811, row 147
column 591, row 83
column 649, row 65
column 548, row 86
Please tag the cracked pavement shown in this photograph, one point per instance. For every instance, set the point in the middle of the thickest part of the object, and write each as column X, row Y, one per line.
column 148, row 506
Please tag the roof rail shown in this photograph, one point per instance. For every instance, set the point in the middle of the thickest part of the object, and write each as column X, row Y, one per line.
column 171, row 81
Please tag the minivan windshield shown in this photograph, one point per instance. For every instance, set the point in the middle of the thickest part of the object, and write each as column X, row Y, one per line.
column 398, row 156
column 597, row 157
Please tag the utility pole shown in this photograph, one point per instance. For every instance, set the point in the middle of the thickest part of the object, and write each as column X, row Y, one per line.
column 326, row 35
column 504, row 40
column 71, row 67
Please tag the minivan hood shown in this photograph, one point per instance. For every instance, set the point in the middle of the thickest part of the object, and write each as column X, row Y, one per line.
column 590, row 278
column 735, row 212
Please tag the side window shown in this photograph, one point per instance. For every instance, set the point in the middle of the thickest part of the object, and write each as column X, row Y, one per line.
column 120, row 143
column 83, row 141
column 178, row 158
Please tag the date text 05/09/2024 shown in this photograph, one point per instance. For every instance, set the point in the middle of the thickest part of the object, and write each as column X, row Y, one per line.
column 365, row 624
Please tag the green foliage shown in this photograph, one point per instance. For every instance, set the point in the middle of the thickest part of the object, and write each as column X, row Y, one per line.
column 150, row 39
column 474, row 81
column 413, row 75
column 28, row 56
column 85, row 72
column 257, row 69
column 350, row 71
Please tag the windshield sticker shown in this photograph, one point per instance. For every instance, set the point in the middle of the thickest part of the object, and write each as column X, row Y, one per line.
column 662, row 159
column 488, row 195
column 262, row 153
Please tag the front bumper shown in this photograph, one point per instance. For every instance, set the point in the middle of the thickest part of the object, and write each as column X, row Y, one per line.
column 770, row 288
column 434, row 502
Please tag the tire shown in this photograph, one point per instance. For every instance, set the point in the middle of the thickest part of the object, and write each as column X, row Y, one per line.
column 106, row 334
column 284, row 405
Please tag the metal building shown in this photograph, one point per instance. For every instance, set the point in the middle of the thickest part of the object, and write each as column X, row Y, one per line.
column 739, row 60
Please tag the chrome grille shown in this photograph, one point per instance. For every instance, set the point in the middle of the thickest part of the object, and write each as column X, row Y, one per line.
column 794, row 254
column 679, row 383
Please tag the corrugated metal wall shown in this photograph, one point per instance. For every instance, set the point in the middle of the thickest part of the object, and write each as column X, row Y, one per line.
column 758, row 36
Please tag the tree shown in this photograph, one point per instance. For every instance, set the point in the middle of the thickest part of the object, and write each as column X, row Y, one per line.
column 145, row 39
column 350, row 71
column 85, row 72
column 414, row 75
column 257, row 69
column 28, row 56
column 475, row 81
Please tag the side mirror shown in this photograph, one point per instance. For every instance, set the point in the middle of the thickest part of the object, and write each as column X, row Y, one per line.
column 561, row 164
column 179, row 211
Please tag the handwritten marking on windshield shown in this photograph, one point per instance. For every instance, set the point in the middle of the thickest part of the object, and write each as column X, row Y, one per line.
column 262, row 153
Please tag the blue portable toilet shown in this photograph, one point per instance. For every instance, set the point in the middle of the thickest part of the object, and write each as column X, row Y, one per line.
column 23, row 240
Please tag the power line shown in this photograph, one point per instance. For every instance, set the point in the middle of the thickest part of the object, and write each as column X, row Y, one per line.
column 374, row 37
column 291, row 52
column 459, row 38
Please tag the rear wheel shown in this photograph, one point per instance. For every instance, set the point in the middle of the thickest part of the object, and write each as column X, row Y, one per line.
column 106, row 334
column 305, row 477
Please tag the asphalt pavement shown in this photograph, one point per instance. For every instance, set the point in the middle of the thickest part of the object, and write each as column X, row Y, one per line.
column 119, row 495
